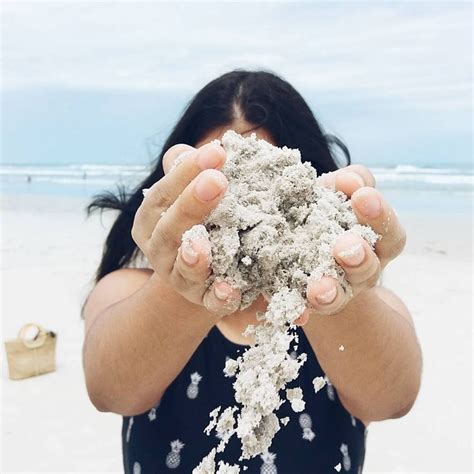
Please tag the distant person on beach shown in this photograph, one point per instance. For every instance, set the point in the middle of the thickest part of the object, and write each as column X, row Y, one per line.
column 156, row 339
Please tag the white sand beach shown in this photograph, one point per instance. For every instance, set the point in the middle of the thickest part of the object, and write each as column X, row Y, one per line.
column 48, row 256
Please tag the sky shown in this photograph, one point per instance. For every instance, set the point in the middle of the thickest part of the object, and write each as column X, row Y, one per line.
column 104, row 82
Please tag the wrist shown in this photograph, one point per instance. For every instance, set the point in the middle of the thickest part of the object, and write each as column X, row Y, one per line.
column 162, row 294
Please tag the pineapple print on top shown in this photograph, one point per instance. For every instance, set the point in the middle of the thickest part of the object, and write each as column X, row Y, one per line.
column 152, row 412
column 313, row 437
column 346, row 460
column 306, row 424
column 193, row 388
column 330, row 390
column 268, row 465
column 173, row 458
column 129, row 429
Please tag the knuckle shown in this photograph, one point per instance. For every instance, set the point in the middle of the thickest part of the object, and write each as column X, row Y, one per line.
column 159, row 197
column 164, row 239
column 186, row 209
column 178, row 281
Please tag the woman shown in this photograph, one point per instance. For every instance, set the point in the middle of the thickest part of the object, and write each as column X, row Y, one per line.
column 156, row 339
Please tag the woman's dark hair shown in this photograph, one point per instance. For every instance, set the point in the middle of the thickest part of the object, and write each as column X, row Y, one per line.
column 263, row 100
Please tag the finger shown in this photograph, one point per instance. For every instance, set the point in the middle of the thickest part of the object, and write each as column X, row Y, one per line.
column 347, row 179
column 326, row 296
column 175, row 155
column 192, row 263
column 192, row 206
column 163, row 193
column 360, row 263
column 371, row 209
column 210, row 155
column 348, row 182
column 364, row 173
column 221, row 298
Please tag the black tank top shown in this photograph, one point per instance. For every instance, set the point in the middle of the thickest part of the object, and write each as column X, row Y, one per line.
column 325, row 438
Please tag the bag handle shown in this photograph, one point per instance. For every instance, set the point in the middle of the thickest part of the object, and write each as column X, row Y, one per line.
column 38, row 341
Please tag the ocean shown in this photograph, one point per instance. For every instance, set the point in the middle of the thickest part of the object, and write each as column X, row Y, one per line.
column 408, row 188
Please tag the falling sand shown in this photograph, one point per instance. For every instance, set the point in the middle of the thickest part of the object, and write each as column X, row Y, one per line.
column 271, row 234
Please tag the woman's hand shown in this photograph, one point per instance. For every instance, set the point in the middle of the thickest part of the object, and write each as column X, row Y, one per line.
column 361, row 264
column 191, row 188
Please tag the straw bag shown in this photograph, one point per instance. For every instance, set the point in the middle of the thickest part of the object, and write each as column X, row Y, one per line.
column 30, row 357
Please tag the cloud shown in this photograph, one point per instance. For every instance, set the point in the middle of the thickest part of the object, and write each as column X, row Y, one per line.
column 415, row 55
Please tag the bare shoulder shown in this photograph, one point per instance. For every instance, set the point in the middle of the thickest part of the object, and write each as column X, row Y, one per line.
column 113, row 288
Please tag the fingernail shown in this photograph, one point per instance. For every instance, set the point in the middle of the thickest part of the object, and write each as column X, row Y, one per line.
column 190, row 256
column 327, row 297
column 209, row 157
column 371, row 206
column 352, row 256
column 222, row 291
column 209, row 184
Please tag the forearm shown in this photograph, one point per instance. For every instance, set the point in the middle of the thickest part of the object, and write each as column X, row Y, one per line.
column 137, row 347
column 377, row 374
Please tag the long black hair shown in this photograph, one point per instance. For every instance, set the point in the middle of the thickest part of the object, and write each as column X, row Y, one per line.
column 261, row 98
